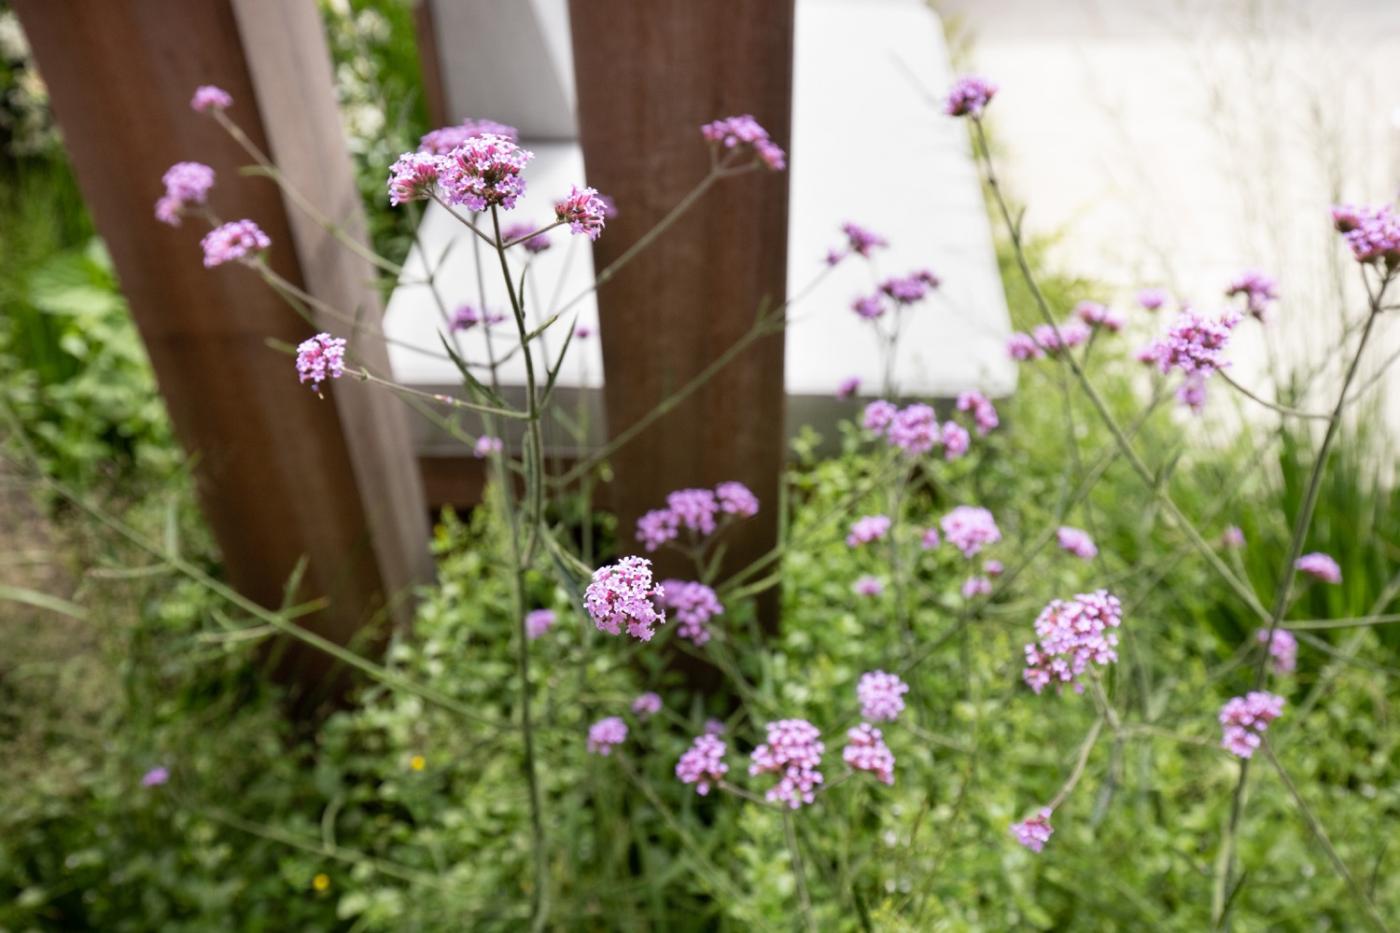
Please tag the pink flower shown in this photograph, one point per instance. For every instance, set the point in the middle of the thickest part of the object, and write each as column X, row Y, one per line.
column 984, row 413
column 969, row 96
column 1372, row 233
column 868, row 586
column 604, row 734
column 878, row 416
column 1056, row 340
column 848, row 387
column 1193, row 344
column 208, row 97
column 692, row 605
column 915, row 429
column 870, row 307
column 657, row 527
column 741, row 132
column 867, row 529
column 647, row 705
column 976, row 586
column 910, row 289
column 320, row 359
column 1072, row 635
column 583, row 331
column 444, row 140
column 881, row 696
column 487, row 445
column 1035, row 832
column 1151, row 299
column 621, row 595
column 232, row 241
column 1259, row 291
column 413, row 177
column 1023, row 348
column 993, row 568
column 866, row 751
column 703, row 764
column 793, row 752
column 483, row 172
column 1320, row 566
column 155, row 777
column 520, row 235
column 464, row 318
column 694, row 509
column 1283, row 648
column 714, row 727
column 969, row 528
column 930, row 539
column 1099, row 316
column 538, row 621
column 1245, row 719
column 1232, row 537
column 1077, row 542
column 736, row 499
column 860, row 240
column 583, row 211
column 955, row 440
column 185, row 183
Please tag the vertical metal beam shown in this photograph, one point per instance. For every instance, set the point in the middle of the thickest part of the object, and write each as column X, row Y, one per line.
column 648, row 75
column 281, row 473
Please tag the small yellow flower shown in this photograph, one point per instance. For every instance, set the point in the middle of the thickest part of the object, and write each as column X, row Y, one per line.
column 322, row 882
column 417, row 762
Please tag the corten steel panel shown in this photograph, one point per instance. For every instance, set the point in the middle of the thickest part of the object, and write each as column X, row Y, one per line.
column 281, row 473
column 648, row 75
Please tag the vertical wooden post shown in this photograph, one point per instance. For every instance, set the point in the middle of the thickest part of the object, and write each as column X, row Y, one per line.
column 648, row 75
column 282, row 474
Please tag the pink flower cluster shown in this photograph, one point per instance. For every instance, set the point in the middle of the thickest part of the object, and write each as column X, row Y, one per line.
column 1072, row 635
column 583, row 210
column 793, row 752
column 970, row 528
column 1259, row 291
column 320, row 359
column 699, row 511
column 984, row 413
column 1372, row 233
column 1152, row 299
column 1283, row 648
column 867, row 529
column 909, row 289
column 881, row 696
column 976, row 586
column 693, row 605
column 1077, row 542
column 1193, row 344
column 868, row 586
column 621, row 595
column 1320, row 566
column 519, row 234
column 1245, row 719
column 444, row 140
column 233, row 241
column 969, row 96
column 1046, row 340
column 538, row 621
column 486, row 445
column 185, row 183
column 866, row 751
column 1232, row 537
column 1035, row 832
column 208, row 97
column 915, row 429
column 647, row 705
column 848, row 387
column 1099, row 316
column 736, row 133
column 703, row 764
column 859, row 241
column 605, row 734
column 413, row 177
column 484, row 171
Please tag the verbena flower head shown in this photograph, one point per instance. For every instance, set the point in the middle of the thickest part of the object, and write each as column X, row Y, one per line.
column 956, row 441
column 155, row 777
column 1372, row 233
column 1035, row 832
column 741, row 132
column 621, row 596
column 647, row 704
column 1152, row 299
column 444, row 140
column 1192, row 393
column 984, row 413
column 1245, row 719
column 848, row 387
column 657, row 527
column 185, row 183
column 1232, row 537
column 976, row 586
column 1023, row 348
column 915, row 429
column 703, row 764
column 881, row 696
column 1077, row 542
column 583, row 211
column 413, row 177
column 866, row 751
column 208, row 97
column 605, row 734
column 793, row 753
column 868, row 586
column 866, row 529
column 233, row 241
column 1259, row 291
column 870, row 307
column 1194, row 344
column 969, row 96
column 539, row 621
column 1320, row 567
column 1072, row 635
column 930, row 539
column 583, row 332
column 1061, row 338
column 970, row 528
column 320, row 359
column 486, row 445
column 692, row 605
column 483, row 172
column 736, row 499
column 909, row 289
column 695, row 509
column 1283, row 648
column 534, row 244
column 714, row 727
column 465, row 317
column 1099, row 316
column 862, row 241
column 993, row 568
column 878, row 416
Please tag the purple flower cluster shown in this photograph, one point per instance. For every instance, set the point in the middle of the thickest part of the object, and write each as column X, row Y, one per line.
column 1035, row 832
column 703, row 764
column 1320, row 566
column 970, row 528
column 693, row 605
column 976, row 586
column 1152, row 299
column 1194, row 344
column 1072, row 635
column 185, row 183
column 915, row 428
column 866, row 751
column 320, row 359
column 647, row 705
column 793, row 752
column 1099, row 316
column 1245, row 719
column 413, row 177
column 539, row 621
column 155, row 777
column 1259, row 291
column 583, row 210
column 1372, row 233
column 232, row 241
column 881, row 696
column 735, row 133
column 1047, row 340
column 859, row 241
column 984, row 413
column 909, row 289
column 969, row 96
column 866, row 529
column 1232, row 537
column 1283, row 648
column 1077, row 542
column 484, row 171
column 868, row 586
column 930, row 539
column 486, row 445
column 208, row 97
column 621, row 595
column 696, row 510
column 605, row 734
column 848, row 387
column 444, row 140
